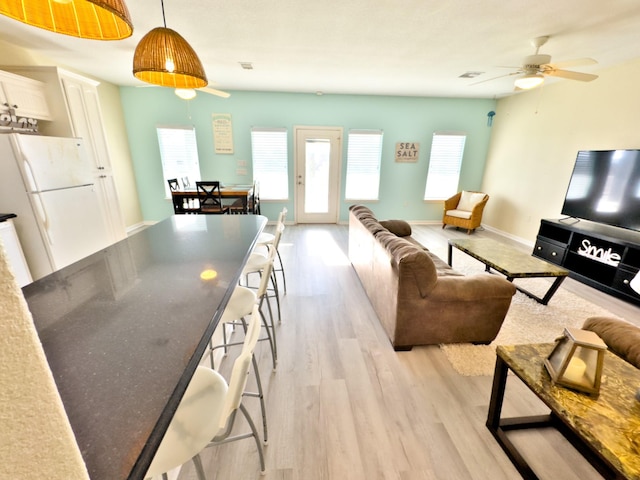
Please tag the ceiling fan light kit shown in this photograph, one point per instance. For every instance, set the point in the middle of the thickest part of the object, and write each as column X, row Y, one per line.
column 88, row 19
column 186, row 93
column 529, row 81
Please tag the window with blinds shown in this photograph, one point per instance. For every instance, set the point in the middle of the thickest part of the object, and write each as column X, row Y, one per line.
column 270, row 160
column 444, row 165
column 364, row 153
column 179, row 155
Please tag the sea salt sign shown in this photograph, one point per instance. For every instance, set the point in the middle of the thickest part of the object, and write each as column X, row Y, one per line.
column 407, row 152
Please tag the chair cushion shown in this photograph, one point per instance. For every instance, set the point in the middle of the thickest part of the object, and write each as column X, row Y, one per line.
column 468, row 200
column 459, row 213
column 397, row 227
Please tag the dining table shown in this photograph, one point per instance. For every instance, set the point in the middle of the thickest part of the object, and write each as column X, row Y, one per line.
column 187, row 200
column 124, row 329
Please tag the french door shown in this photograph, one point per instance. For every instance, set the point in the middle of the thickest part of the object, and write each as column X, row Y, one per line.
column 318, row 156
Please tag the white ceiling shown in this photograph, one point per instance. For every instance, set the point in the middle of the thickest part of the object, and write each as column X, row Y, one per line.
column 381, row 47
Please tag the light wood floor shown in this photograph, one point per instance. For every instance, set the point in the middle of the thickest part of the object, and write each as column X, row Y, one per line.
column 344, row 405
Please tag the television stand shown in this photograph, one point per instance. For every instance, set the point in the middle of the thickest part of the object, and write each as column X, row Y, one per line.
column 603, row 257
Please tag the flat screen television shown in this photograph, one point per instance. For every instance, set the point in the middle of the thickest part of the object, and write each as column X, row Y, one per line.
column 605, row 188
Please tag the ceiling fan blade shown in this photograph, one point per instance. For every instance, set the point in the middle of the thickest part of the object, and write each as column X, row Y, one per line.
column 495, row 78
column 578, row 62
column 583, row 77
column 213, row 91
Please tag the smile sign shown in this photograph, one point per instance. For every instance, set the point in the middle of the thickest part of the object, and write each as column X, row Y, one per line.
column 599, row 254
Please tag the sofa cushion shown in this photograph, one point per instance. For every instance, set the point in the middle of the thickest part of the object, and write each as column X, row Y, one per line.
column 468, row 200
column 622, row 337
column 417, row 264
column 397, row 227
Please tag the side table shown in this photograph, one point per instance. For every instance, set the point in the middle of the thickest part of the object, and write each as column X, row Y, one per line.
column 605, row 430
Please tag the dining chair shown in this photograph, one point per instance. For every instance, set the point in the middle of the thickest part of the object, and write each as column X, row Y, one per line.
column 186, row 183
column 174, row 186
column 255, row 204
column 210, row 198
column 207, row 412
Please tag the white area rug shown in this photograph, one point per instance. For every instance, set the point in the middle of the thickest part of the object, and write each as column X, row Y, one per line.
column 526, row 322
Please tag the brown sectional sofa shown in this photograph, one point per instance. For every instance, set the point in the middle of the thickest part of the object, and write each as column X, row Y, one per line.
column 419, row 299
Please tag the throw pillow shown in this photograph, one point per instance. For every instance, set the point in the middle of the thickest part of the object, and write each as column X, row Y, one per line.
column 397, row 227
column 468, row 200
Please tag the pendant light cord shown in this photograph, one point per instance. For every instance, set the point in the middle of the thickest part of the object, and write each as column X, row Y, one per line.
column 164, row 20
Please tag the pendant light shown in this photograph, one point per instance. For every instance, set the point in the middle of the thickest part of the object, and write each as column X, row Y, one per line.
column 164, row 58
column 90, row 19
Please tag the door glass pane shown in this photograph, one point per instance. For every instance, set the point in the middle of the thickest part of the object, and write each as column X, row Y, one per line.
column 316, row 196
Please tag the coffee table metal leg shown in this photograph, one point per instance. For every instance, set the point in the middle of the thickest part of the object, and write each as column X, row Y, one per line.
column 547, row 296
column 494, row 423
column 449, row 254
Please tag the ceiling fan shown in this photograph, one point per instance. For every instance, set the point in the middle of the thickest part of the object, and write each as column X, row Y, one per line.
column 535, row 67
column 190, row 93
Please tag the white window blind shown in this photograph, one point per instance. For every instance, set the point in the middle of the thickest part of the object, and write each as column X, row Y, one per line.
column 179, row 155
column 270, row 162
column 444, row 165
column 364, row 153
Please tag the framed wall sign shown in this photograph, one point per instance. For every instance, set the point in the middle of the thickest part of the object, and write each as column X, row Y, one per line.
column 222, row 132
column 407, row 152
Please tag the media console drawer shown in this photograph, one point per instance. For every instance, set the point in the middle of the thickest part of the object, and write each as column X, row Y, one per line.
column 549, row 251
column 622, row 280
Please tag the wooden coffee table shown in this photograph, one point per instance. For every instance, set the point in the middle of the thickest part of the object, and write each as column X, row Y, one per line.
column 604, row 429
column 510, row 262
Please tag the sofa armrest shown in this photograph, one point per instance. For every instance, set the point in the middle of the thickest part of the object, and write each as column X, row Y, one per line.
column 471, row 287
column 478, row 209
column 622, row 337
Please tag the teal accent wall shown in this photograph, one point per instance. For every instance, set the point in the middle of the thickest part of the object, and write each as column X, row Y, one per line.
column 403, row 119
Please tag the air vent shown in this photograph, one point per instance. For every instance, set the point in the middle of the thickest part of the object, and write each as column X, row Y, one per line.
column 246, row 65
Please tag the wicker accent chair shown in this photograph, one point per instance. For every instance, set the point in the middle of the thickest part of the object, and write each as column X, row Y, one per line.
column 464, row 210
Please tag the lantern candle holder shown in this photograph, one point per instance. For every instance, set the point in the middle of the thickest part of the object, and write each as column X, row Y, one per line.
column 576, row 360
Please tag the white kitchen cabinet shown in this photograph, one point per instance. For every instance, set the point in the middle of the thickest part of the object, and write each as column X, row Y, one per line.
column 77, row 113
column 27, row 97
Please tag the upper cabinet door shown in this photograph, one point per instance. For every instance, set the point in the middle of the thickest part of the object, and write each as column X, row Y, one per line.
column 25, row 95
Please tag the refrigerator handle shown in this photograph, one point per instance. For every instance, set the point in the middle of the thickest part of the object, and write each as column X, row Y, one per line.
column 42, row 213
column 31, row 179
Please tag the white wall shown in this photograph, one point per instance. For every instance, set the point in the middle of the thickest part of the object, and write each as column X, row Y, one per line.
column 536, row 136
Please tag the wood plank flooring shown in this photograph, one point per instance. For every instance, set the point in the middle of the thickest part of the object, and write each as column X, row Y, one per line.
column 344, row 405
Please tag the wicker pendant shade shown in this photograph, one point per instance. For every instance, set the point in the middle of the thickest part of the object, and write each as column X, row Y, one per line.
column 164, row 58
column 90, row 19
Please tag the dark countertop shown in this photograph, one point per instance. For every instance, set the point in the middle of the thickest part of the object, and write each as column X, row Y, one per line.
column 124, row 329
column 6, row 216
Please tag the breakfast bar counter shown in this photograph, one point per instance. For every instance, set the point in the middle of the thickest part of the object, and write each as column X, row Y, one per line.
column 124, row 329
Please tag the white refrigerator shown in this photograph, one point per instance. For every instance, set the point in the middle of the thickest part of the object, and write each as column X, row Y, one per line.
column 48, row 182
